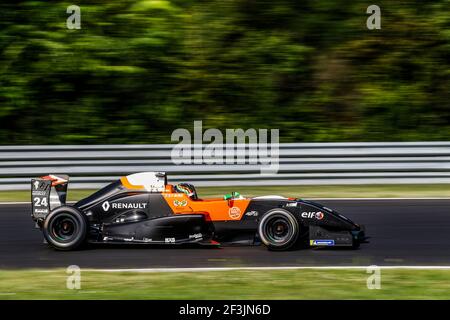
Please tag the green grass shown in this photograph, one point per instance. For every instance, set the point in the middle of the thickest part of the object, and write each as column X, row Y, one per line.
column 326, row 191
column 285, row 284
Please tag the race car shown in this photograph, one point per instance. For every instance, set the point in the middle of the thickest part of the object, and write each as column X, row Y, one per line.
column 142, row 208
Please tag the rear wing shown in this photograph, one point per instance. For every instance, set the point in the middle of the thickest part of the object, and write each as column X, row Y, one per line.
column 47, row 193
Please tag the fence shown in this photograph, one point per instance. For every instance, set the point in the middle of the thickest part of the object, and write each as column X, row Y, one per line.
column 299, row 164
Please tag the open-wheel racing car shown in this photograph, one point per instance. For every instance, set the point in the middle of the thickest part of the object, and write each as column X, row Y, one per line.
column 143, row 208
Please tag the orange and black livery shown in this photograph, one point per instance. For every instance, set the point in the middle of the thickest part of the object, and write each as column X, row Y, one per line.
column 143, row 208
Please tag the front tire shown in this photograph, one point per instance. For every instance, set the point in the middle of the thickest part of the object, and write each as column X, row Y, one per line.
column 279, row 229
column 65, row 228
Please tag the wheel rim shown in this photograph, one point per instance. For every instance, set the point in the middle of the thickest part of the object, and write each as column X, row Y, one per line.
column 63, row 228
column 279, row 230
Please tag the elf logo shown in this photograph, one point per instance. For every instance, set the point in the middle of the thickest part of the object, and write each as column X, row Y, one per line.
column 312, row 214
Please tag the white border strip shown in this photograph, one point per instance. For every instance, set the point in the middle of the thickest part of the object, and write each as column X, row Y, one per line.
column 145, row 270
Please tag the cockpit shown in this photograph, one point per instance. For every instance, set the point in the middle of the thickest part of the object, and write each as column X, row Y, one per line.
column 186, row 188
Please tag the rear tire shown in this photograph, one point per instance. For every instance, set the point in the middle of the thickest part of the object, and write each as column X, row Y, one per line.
column 279, row 230
column 65, row 228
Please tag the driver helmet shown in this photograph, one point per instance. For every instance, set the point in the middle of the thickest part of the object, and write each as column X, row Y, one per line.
column 186, row 188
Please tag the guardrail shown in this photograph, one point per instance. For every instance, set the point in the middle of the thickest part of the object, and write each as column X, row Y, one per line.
column 93, row 166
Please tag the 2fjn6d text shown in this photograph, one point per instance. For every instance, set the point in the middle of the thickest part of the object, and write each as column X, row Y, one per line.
column 226, row 309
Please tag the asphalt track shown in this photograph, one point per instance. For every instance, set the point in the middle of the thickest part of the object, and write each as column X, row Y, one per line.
column 402, row 233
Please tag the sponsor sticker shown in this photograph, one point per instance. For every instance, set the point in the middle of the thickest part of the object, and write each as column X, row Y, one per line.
column 252, row 213
column 121, row 205
column 43, row 211
column 234, row 213
column 40, row 186
column 291, row 204
column 321, row 242
column 178, row 203
column 105, row 206
column 40, row 192
column 173, row 195
column 312, row 214
column 319, row 215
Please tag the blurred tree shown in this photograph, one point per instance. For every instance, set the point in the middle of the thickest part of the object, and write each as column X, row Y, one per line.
column 136, row 70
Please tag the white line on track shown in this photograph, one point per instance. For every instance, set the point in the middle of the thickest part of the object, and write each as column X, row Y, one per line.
column 14, row 203
column 328, row 199
column 268, row 268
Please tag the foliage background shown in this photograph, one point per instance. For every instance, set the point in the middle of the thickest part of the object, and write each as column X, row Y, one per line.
column 139, row 69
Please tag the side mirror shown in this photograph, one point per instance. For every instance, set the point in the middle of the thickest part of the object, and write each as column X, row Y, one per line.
column 233, row 195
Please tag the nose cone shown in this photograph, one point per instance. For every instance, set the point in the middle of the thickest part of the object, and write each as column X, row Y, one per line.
column 359, row 234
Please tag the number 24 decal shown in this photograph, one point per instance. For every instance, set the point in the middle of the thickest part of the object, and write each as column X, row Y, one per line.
column 40, row 202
